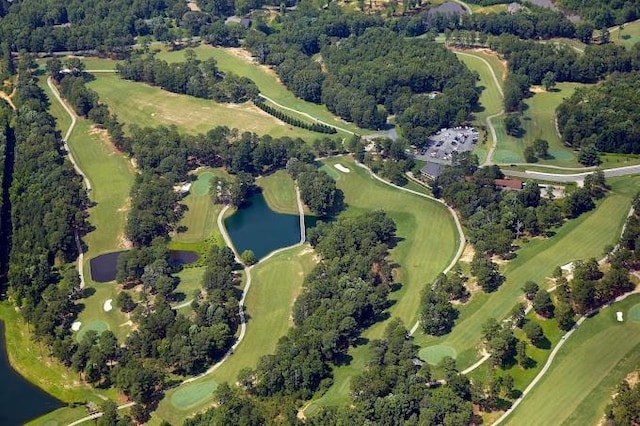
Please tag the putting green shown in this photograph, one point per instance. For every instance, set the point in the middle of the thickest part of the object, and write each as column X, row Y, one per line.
column 97, row 325
column 193, row 394
column 202, row 185
column 434, row 354
column 634, row 313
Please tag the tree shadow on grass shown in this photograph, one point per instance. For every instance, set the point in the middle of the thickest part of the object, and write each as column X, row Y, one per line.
column 543, row 343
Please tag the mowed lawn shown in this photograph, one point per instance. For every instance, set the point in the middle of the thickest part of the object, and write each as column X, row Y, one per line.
column 586, row 371
column 279, row 191
column 239, row 62
column 538, row 122
column 144, row 105
column 275, row 285
column 628, row 36
column 427, row 243
column 490, row 97
column 581, row 238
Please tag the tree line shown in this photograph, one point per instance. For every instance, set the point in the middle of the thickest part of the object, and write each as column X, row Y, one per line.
column 194, row 77
column 280, row 115
column 604, row 116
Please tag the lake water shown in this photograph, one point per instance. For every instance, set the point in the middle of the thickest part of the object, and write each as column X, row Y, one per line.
column 257, row 228
column 20, row 400
column 105, row 266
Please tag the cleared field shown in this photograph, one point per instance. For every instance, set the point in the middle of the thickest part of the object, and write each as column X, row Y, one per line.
column 427, row 243
column 581, row 238
column 628, row 35
column 239, row 61
column 586, row 371
column 279, row 192
column 146, row 105
column 276, row 284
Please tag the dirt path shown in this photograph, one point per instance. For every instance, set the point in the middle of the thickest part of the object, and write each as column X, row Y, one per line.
column 8, row 98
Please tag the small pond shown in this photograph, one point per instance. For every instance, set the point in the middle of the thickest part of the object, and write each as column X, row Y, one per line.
column 105, row 266
column 20, row 400
column 257, row 228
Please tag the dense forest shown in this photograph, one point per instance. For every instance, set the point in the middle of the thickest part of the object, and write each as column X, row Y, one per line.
column 341, row 59
column 605, row 115
column 604, row 13
column 625, row 407
column 194, row 77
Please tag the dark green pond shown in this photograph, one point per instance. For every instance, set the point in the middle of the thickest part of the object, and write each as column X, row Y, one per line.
column 257, row 228
column 20, row 400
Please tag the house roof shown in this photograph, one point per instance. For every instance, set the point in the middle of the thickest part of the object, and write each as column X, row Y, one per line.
column 432, row 170
column 508, row 183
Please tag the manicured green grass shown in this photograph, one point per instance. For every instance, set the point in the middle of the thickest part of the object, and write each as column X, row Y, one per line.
column 538, row 122
column 585, row 372
column 144, row 105
column 201, row 215
column 33, row 361
column 581, row 238
column 279, row 192
column 238, row 61
column 634, row 313
column 275, row 285
column 631, row 29
column 427, row 242
column 190, row 282
column 434, row 354
column 94, row 317
column 490, row 98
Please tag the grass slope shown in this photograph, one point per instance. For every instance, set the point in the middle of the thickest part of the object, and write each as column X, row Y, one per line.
column 239, row 62
column 427, row 243
column 581, row 238
column 146, row 105
column 276, row 284
column 583, row 376
column 628, row 36
column 279, row 192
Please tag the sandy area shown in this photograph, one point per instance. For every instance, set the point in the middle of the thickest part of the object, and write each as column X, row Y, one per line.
column 76, row 326
column 342, row 168
column 107, row 305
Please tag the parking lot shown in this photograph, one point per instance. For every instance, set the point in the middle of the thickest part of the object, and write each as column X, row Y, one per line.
column 445, row 142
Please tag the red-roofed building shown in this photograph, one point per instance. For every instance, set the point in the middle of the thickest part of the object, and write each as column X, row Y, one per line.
column 511, row 184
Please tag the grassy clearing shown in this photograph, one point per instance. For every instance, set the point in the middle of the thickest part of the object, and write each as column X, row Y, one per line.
column 427, row 243
column 276, row 284
column 581, row 238
column 240, row 62
column 583, row 376
column 146, row 105
column 628, row 36
column 279, row 192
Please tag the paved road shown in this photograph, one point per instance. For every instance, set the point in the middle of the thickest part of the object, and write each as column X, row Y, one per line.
column 574, row 177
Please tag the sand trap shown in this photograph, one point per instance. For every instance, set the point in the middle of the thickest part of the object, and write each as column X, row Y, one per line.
column 107, row 305
column 619, row 316
column 342, row 168
column 568, row 267
column 76, row 326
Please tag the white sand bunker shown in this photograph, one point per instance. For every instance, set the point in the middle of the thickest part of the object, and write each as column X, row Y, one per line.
column 76, row 326
column 619, row 316
column 342, row 168
column 107, row 305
